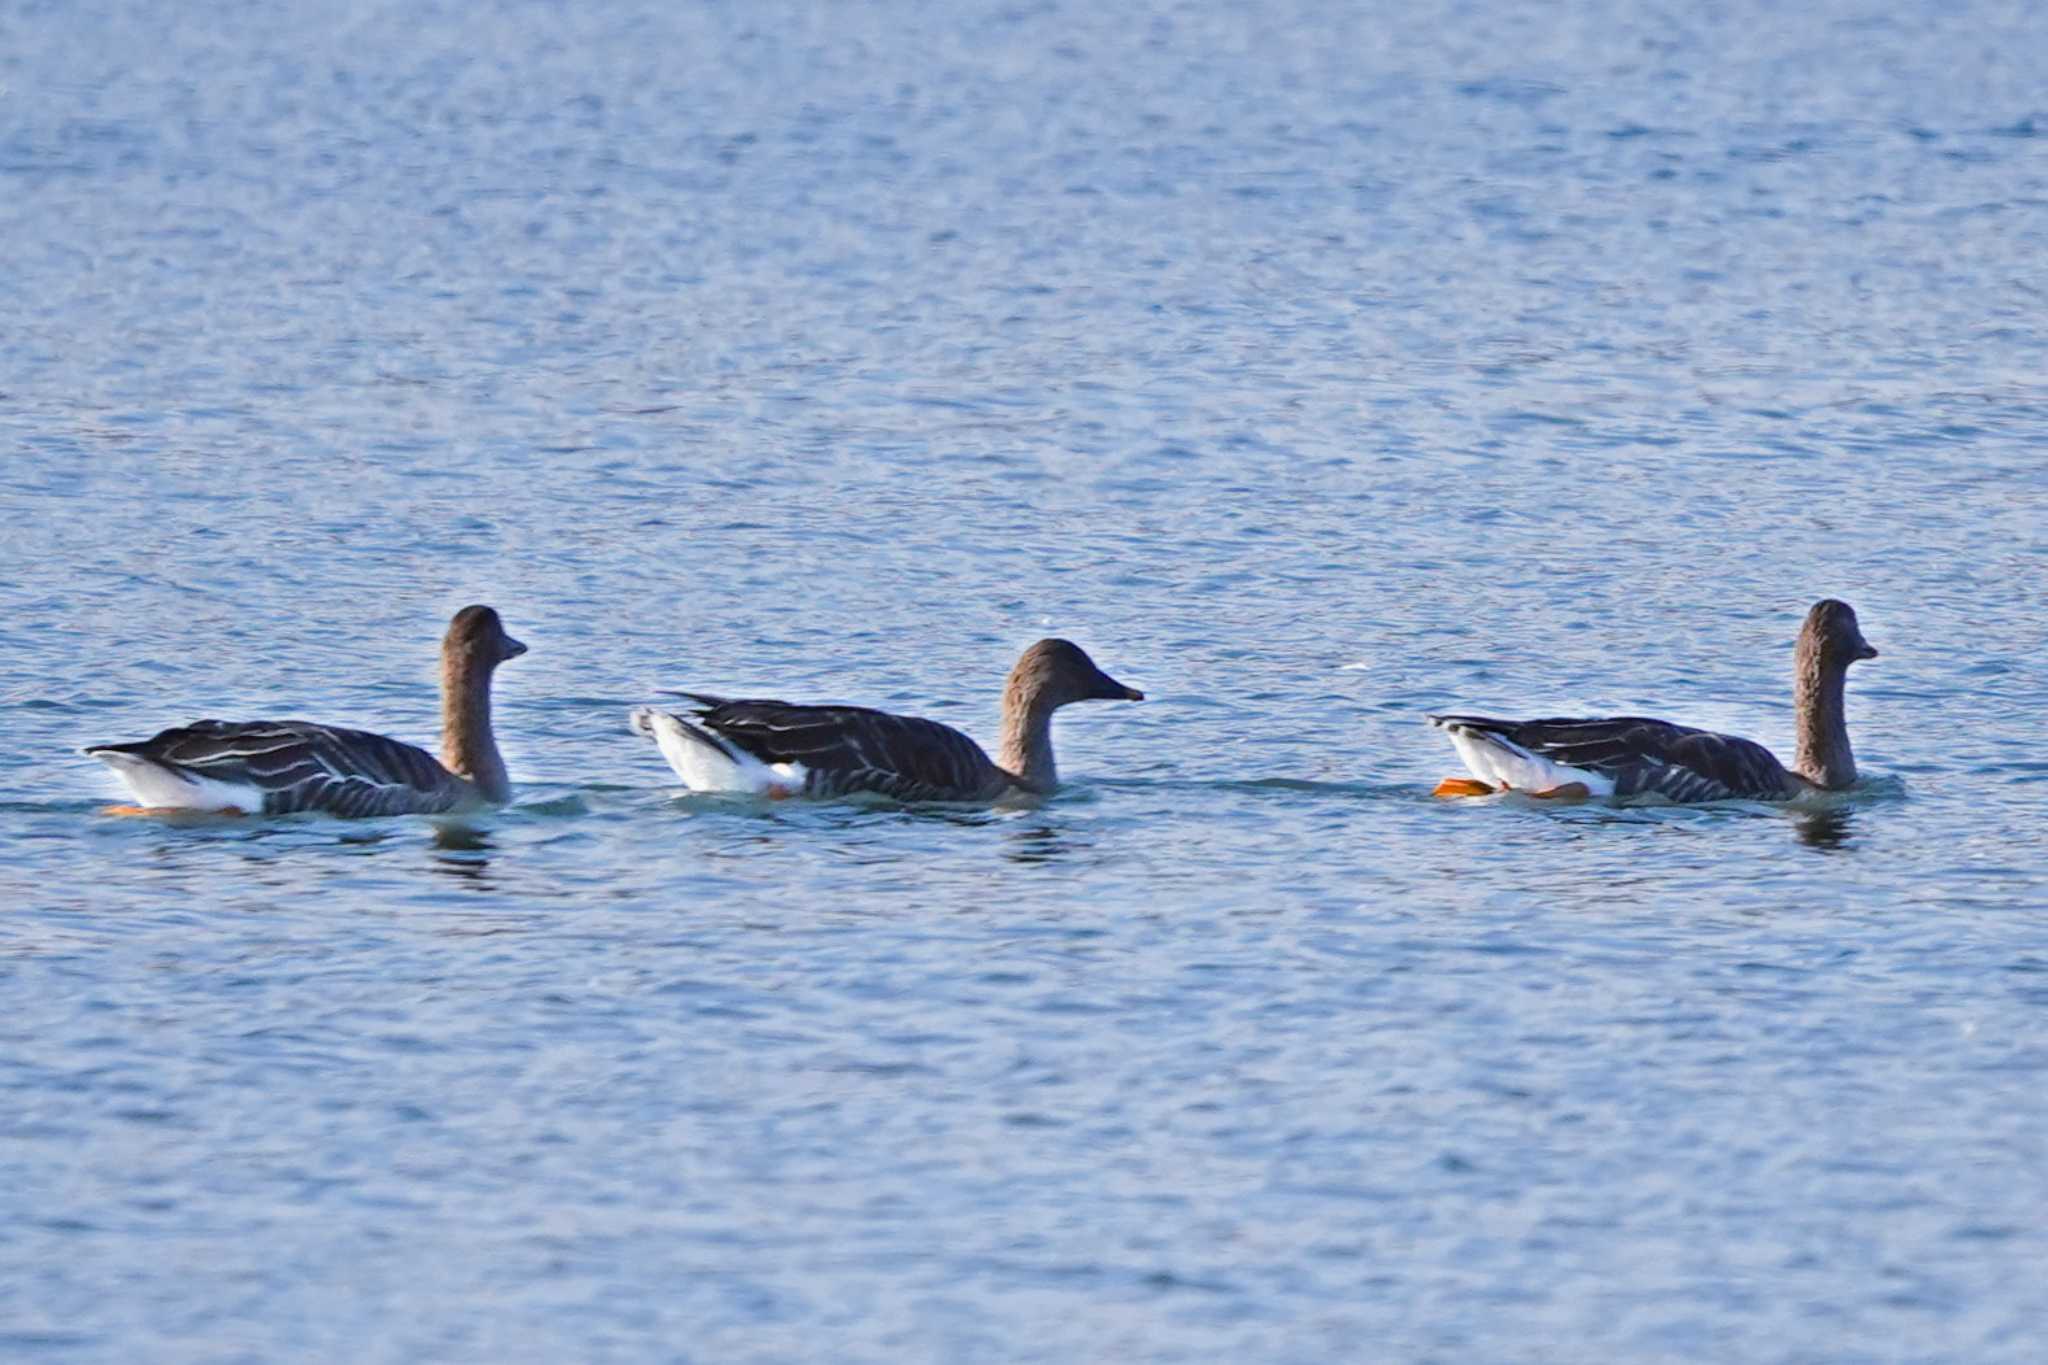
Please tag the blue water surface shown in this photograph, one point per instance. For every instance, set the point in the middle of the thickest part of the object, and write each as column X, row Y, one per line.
column 1315, row 366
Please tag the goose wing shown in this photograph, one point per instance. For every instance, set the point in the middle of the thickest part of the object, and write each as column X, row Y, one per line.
column 1642, row 756
column 845, row 749
column 296, row 765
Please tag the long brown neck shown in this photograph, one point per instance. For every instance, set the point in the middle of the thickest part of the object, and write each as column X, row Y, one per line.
column 1823, row 756
column 468, row 749
column 1026, row 749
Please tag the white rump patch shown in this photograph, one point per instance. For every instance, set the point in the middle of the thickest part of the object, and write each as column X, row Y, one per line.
column 1492, row 758
column 163, row 788
column 707, row 765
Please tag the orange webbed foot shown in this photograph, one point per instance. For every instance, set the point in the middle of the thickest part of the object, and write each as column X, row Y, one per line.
column 1567, row 791
column 174, row 812
column 1463, row 786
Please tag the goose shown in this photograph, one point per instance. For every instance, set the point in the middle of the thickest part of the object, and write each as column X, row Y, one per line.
column 276, row 767
column 775, row 749
column 1630, row 756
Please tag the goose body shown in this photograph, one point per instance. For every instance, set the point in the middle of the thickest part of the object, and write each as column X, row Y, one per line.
column 780, row 749
column 1620, row 757
column 1634, row 756
column 279, row 767
column 771, row 748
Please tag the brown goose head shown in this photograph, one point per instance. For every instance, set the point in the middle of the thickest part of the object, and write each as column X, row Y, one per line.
column 1053, row 673
column 476, row 638
column 1831, row 638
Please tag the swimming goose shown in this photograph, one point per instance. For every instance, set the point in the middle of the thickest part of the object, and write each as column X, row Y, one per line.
column 1629, row 756
column 771, row 748
column 275, row 767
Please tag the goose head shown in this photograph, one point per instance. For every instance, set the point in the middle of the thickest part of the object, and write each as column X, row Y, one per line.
column 477, row 637
column 1053, row 673
column 1832, row 637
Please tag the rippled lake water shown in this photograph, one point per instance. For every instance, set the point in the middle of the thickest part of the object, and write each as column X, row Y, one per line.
column 1313, row 365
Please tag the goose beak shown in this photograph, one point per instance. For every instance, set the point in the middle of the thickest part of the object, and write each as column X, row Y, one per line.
column 1107, row 688
column 513, row 649
column 1866, row 651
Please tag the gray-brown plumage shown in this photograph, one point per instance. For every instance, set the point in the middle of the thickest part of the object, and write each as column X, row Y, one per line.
column 1633, row 756
column 276, row 767
column 774, row 748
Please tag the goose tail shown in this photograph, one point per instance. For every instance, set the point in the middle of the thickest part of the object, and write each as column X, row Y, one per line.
column 707, row 762
column 165, row 786
column 1491, row 755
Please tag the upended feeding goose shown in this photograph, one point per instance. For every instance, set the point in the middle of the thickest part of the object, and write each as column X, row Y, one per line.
column 775, row 749
column 276, row 767
column 1630, row 756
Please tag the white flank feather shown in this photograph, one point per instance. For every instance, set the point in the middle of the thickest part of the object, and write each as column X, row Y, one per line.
column 162, row 788
column 706, row 764
column 1492, row 758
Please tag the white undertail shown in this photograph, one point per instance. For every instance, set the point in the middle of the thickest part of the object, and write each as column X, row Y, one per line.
column 162, row 788
column 707, row 764
column 1494, row 758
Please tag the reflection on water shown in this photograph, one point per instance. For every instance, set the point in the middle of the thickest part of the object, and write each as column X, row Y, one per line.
column 462, row 851
column 1038, row 844
column 1825, row 829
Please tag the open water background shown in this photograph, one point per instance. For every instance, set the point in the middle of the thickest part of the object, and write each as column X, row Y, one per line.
column 1315, row 366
